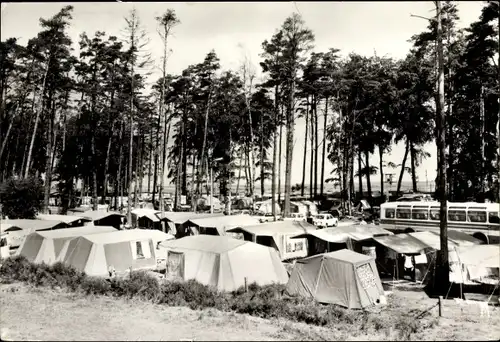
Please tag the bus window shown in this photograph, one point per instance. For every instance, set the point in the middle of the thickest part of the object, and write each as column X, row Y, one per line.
column 457, row 215
column 419, row 214
column 434, row 214
column 390, row 213
column 493, row 216
column 476, row 216
column 403, row 213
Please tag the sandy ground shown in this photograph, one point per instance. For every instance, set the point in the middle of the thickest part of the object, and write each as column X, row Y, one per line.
column 29, row 313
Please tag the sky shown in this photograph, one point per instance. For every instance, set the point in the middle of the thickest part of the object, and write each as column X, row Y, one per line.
column 237, row 29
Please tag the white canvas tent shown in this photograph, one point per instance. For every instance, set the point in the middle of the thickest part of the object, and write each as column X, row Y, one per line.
column 222, row 262
column 279, row 235
column 97, row 254
column 45, row 246
column 344, row 277
column 220, row 224
column 475, row 264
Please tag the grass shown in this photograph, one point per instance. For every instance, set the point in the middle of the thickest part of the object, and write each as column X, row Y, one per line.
column 267, row 302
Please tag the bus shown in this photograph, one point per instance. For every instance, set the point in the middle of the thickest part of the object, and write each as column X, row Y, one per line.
column 481, row 220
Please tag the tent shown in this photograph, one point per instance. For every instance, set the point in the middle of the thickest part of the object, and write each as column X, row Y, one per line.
column 45, row 246
column 104, row 218
column 267, row 207
column 222, row 262
column 279, row 235
column 242, row 203
column 475, row 264
column 298, row 207
column 204, row 203
column 70, row 220
column 146, row 218
column 96, row 254
column 344, row 277
column 19, row 228
column 176, row 221
column 352, row 237
column 219, row 225
column 312, row 208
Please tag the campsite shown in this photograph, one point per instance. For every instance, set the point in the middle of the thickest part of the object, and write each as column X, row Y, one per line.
column 250, row 171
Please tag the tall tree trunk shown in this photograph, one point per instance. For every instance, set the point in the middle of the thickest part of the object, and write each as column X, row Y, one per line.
column 142, row 150
column 262, row 160
column 381, row 168
column 203, row 147
column 37, row 119
column 305, row 149
column 360, row 176
column 156, row 158
column 279, row 159
column 443, row 261
column 290, row 122
column 130, row 153
column 368, row 179
column 413, row 167
column 136, row 171
column 325, row 121
column 241, row 164
column 311, row 163
column 315, row 108
column 48, row 161
column 106, row 162
column 403, row 164
column 119, row 189
column 275, row 150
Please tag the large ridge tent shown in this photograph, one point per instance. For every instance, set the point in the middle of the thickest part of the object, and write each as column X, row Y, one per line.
column 97, row 254
column 280, row 236
column 220, row 225
column 104, row 218
column 146, row 218
column 222, row 262
column 70, row 220
column 19, row 228
column 344, row 277
column 176, row 221
column 45, row 246
column 475, row 264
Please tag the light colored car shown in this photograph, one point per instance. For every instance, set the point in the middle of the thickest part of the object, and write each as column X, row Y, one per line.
column 325, row 220
column 295, row 217
column 267, row 217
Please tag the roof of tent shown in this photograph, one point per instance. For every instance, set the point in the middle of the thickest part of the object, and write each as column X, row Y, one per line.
column 96, row 215
column 344, row 255
column 455, row 238
column 402, row 243
column 205, row 243
column 32, row 225
column 353, row 232
column 276, row 228
column 78, row 231
column 224, row 223
column 121, row 236
column 414, row 243
column 68, row 219
column 181, row 217
column 156, row 235
column 477, row 255
column 151, row 214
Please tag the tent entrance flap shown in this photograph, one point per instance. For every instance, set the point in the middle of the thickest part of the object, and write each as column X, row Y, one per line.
column 175, row 264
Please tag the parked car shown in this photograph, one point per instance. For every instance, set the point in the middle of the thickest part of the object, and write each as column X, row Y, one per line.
column 295, row 217
column 267, row 217
column 325, row 220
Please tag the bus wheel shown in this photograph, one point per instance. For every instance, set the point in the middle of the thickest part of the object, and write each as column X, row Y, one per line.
column 409, row 230
column 481, row 237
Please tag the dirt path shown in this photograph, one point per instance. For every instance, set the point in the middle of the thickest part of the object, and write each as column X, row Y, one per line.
column 41, row 314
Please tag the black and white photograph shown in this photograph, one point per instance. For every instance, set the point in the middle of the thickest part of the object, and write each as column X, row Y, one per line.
column 258, row 171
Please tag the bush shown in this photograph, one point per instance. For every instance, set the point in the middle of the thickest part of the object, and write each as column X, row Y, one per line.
column 21, row 198
column 268, row 301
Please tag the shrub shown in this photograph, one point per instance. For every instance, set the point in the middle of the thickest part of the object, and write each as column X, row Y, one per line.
column 268, row 301
column 21, row 198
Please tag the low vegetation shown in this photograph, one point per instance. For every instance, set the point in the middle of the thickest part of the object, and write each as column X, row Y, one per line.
column 261, row 301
